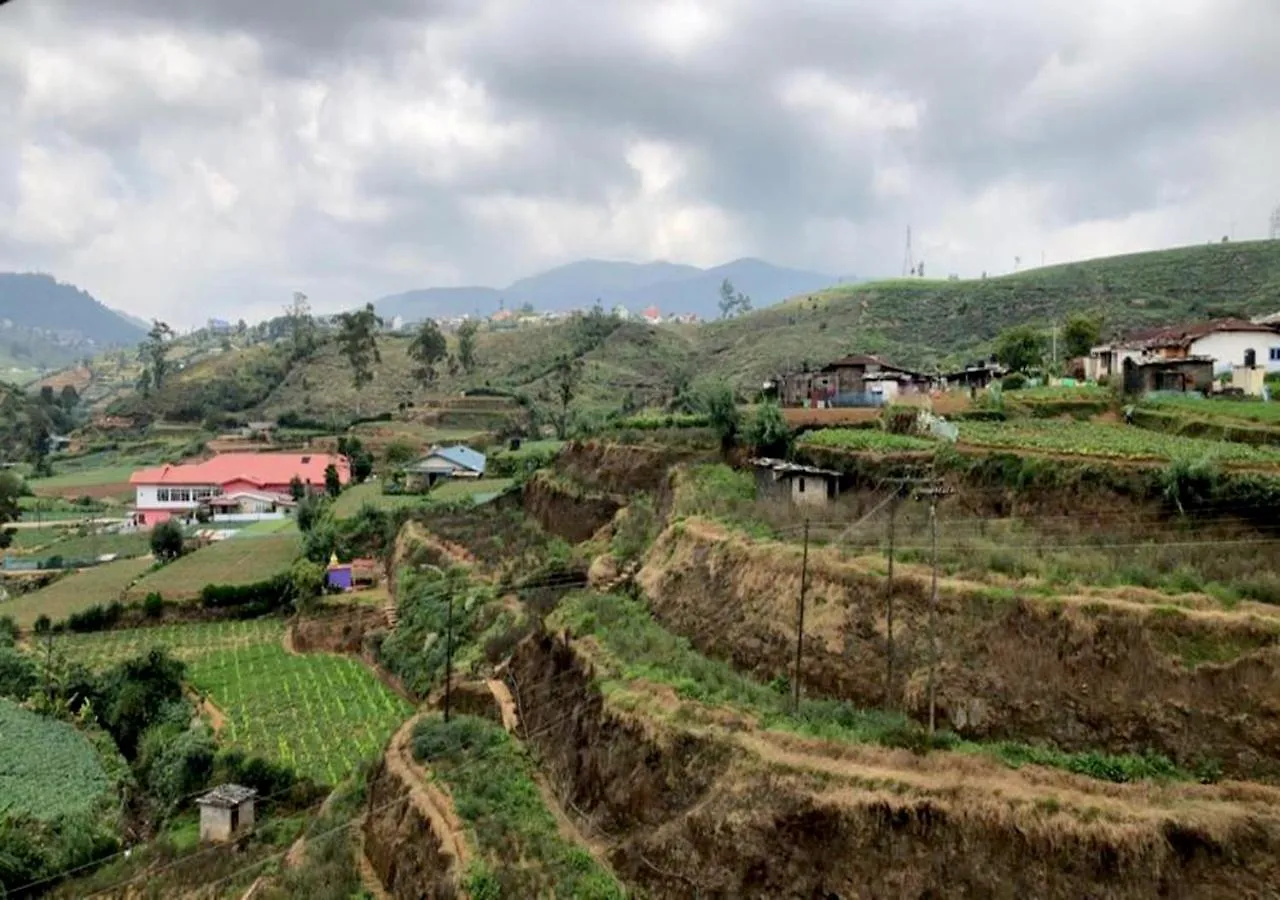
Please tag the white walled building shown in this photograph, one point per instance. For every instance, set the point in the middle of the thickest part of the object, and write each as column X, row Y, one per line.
column 1230, row 343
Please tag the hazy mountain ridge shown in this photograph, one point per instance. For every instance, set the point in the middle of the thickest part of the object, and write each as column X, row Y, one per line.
column 672, row 287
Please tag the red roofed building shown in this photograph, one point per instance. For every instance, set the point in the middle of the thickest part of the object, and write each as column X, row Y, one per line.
column 235, row 482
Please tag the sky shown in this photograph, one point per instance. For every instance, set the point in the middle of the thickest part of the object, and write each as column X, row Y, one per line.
column 187, row 158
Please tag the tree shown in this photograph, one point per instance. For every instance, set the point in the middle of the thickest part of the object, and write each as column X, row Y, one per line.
column 1080, row 335
column 153, row 353
column 426, row 349
column 10, row 491
column 311, row 510
column 358, row 341
column 302, row 327
column 467, row 345
column 720, row 406
column 565, row 376
column 332, row 480
column 768, row 432
column 1021, row 348
column 358, row 458
column 297, row 490
column 70, row 398
column 167, row 540
column 307, row 580
column 732, row 302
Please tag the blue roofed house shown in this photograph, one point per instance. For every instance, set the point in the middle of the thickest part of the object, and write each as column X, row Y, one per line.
column 448, row 462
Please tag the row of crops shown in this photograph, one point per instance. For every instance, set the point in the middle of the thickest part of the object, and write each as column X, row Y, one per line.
column 868, row 439
column 1108, row 440
column 321, row 714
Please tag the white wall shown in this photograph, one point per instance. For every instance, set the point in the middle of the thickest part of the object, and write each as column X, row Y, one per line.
column 1227, row 349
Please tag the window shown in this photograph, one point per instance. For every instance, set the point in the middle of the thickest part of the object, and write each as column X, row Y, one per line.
column 1275, row 354
column 802, row 485
column 162, row 495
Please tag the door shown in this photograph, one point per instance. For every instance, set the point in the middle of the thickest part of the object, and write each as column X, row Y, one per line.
column 235, row 819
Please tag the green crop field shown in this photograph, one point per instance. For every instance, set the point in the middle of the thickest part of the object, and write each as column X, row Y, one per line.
column 1106, row 440
column 866, row 439
column 95, row 477
column 237, row 560
column 187, row 642
column 461, row 488
column 320, row 713
column 77, row 591
column 350, row 500
column 47, row 768
column 1260, row 411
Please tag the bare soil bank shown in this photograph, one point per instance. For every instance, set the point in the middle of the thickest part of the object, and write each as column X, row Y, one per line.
column 711, row 813
column 1083, row 673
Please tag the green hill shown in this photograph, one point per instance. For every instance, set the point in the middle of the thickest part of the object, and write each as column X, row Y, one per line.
column 924, row 322
column 916, row 322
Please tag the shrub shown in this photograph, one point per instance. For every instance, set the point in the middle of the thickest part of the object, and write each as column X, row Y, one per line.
column 167, row 541
column 399, row 453
column 259, row 597
column 18, row 676
column 306, row 580
column 95, row 618
column 8, row 631
column 1014, row 381
column 153, row 606
column 767, row 431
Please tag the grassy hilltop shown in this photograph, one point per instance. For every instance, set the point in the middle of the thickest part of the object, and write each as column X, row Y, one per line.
column 915, row 322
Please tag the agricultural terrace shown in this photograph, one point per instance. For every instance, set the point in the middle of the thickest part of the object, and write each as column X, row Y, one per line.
column 77, row 591
column 71, row 545
column 1107, row 440
column 1259, row 411
column 352, row 499
column 867, row 439
column 237, row 560
column 47, row 769
column 69, row 482
column 320, row 713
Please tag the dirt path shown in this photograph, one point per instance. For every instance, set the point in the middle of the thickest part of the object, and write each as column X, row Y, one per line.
column 205, row 706
column 567, row 827
column 429, row 799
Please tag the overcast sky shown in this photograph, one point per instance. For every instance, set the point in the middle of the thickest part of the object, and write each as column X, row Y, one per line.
column 191, row 157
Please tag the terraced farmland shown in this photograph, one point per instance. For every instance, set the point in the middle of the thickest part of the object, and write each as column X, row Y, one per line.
column 75, row 592
column 239, row 560
column 1111, row 441
column 869, row 439
column 321, row 714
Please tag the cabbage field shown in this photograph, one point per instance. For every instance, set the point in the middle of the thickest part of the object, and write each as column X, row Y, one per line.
column 47, row 768
column 1108, row 440
column 868, row 439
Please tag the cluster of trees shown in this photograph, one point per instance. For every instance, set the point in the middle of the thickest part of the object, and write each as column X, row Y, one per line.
column 429, row 349
column 1025, row 347
column 27, row 424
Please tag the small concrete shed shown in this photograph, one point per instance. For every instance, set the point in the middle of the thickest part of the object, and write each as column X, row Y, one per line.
column 226, row 811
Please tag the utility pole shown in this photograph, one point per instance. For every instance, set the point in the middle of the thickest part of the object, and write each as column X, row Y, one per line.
column 804, row 586
column 448, row 658
column 934, row 491
column 888, row 607
column 1055, row 345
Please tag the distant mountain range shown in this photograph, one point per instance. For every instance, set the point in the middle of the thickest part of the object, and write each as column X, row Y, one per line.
column 671, row 287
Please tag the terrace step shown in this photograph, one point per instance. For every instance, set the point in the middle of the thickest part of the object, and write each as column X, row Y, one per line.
column 392, row 616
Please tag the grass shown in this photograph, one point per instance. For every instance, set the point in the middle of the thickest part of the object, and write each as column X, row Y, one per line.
column 84, row 478
column 491, row 779
column 76, row 591
column 26, row 539
column 350, row 500
column 866, row 439
column 459, row 488
column 91, row 546
column 320, row 713
column 47, row 769
column 639, row 648
column 269, row 526
column 234, row 561
column 1109, row 441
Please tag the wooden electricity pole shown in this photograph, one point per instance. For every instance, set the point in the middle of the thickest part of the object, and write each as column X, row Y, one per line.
column 804, row 586
column 934, row 491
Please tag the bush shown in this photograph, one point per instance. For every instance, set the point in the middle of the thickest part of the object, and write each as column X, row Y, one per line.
column 307, row 580
column 8, row 631
column 153, row 606
column 1014, row 381
column 259, row 597
column 167, row 541
column 18, row 676
column 768, row 432
column 95, row 618
column 401, row 452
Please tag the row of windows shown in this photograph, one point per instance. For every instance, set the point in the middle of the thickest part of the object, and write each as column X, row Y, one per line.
column 185, row 495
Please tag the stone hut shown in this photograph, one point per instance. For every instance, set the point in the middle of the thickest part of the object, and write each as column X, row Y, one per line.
column 225, row 812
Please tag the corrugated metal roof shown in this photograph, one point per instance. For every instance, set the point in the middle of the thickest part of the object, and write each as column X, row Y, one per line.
column 461, row 455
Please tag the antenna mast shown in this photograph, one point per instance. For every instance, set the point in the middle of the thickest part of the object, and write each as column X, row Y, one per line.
column 1275, row 224
column 908, row 261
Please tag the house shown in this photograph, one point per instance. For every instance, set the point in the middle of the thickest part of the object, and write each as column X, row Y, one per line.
column 225, row 812
column 1227, row 342
column 1189, row 374
column 802, row 485
column 975, row 376
column 220, row 326
column 242, row 482
column 448, row 462
column 652, row 315
column 857, row 380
